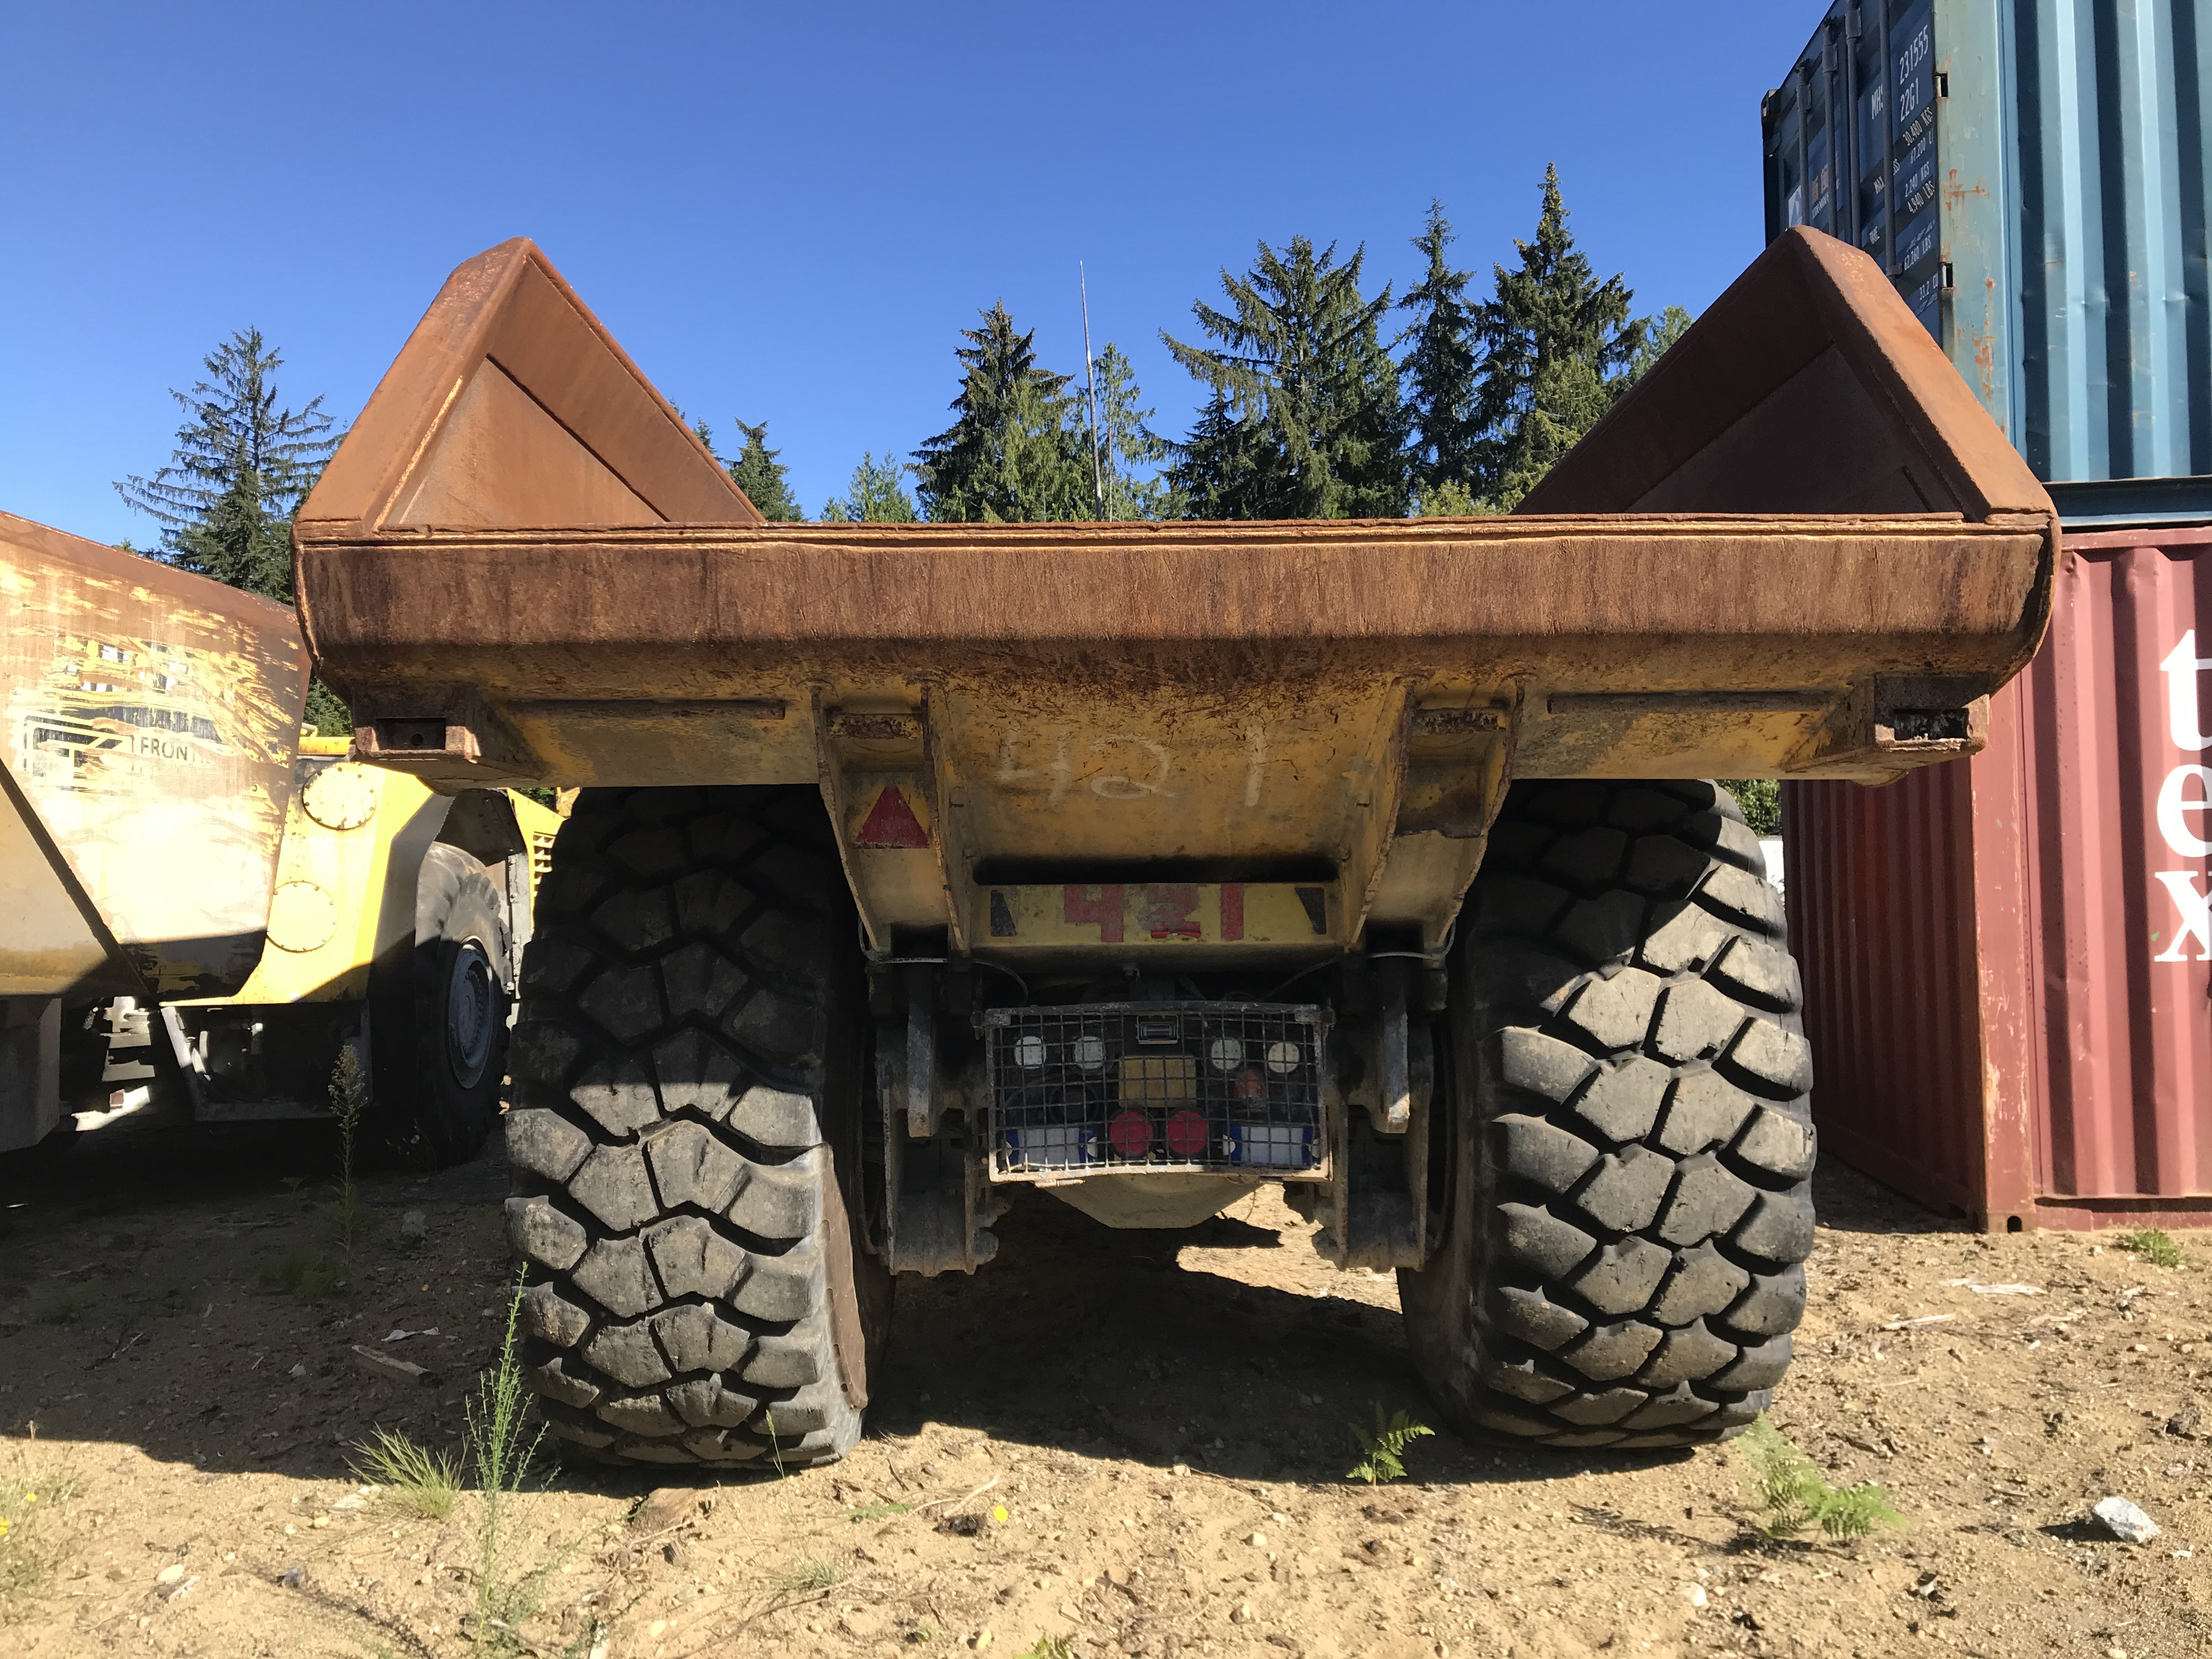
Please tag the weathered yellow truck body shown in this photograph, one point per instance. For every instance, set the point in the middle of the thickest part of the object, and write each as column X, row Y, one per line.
column 180, row 866
column 146, row 772
column 151, row 717
column 1365, row 856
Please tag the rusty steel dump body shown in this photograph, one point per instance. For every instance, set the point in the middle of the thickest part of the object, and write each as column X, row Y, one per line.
column 151, row 720
column 1797, row 548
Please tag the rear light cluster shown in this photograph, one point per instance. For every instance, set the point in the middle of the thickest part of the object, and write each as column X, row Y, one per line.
column 1195, row 1085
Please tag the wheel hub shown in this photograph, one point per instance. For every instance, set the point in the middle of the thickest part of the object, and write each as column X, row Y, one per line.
column 472, row 1013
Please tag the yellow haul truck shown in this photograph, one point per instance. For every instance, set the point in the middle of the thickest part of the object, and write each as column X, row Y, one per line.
column 201, row 905
column 920, row 869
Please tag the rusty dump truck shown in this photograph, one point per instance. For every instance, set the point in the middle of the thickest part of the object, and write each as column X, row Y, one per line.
column 918, row 869
column 201, row 905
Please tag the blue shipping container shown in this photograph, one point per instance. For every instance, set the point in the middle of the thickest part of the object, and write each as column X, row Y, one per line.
column 2032, row 174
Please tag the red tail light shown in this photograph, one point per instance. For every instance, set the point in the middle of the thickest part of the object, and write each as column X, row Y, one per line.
column 1187, row 1134
column 1130, row 1134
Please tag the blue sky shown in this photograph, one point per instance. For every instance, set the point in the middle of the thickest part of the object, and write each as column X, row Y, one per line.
column 787, row 212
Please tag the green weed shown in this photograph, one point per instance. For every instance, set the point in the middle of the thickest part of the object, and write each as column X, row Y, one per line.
column 1794, row 1495
column 2154, row 1246
column 1382, row 1450
column 881, row 1511
column 413, row 1476
column 349, row 1219
column 503, row 1449
column 1049, row 1647
column 310, row 1275
column 31, row 1492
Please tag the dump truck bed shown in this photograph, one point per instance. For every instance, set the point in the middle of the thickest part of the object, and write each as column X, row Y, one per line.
column 1810, row 555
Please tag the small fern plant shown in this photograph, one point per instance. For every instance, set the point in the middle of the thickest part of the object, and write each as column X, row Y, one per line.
column 1794, row 1495
column 1383, row 1448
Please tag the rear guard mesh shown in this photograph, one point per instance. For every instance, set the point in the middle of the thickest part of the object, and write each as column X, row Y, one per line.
column 1173, row 1086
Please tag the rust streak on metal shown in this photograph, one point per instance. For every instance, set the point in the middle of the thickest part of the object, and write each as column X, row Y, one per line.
column 1798, row 546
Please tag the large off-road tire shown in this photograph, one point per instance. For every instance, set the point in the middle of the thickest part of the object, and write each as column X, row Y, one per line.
column 1626, row 1148
column 438, row 1036
column 687, row 1140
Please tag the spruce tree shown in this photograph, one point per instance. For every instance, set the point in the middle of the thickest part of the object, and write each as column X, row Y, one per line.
column 1016, row 452
column 1661, row 331
column 1129, row 449
column 1211, row 466
column 1303, row 418
column 876, row 495
column 240, row 468
column 764, row 479
column 1440, row 367
column 1555, row 343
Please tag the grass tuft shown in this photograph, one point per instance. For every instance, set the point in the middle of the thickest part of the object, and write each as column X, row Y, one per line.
column 1382, row 1450
column 412, row 1476
column 2155, row 1247
column 1794, row 1495
column 811, row 1575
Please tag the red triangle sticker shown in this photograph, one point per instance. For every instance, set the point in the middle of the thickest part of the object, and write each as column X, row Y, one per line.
column 891, row 823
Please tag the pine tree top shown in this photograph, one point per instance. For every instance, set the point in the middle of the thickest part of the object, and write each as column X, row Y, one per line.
column 765, row 480
column 876, row 495
column 1014, row 452
column 240, row 468
column 1302, row 419
column 1441, row 364
column 1554, row 340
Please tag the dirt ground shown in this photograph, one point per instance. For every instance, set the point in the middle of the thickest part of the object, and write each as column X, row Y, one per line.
column 1132, row 1442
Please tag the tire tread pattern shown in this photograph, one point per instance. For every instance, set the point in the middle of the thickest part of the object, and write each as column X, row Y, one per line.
column 666, row 1144
column 1641, row 1085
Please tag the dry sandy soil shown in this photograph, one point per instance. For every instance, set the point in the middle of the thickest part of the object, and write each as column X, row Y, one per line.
column 1159, row 1418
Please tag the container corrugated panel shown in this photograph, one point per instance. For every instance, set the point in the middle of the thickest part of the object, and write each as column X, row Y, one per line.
column 2115, row 320
column 2009, row 960
column 2032, row 174
column 1887, row 949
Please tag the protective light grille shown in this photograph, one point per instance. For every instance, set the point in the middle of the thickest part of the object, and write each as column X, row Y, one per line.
column 1095, row 1087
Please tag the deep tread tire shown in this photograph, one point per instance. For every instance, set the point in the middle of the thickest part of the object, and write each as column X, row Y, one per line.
column 1629, row 1139
column 687, row 1138
column 439, row 1070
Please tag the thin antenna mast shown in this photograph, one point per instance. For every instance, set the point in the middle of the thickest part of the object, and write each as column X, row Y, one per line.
column 1090, row 378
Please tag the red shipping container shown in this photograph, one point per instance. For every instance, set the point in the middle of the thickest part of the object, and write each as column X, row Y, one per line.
column 2009, row 959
